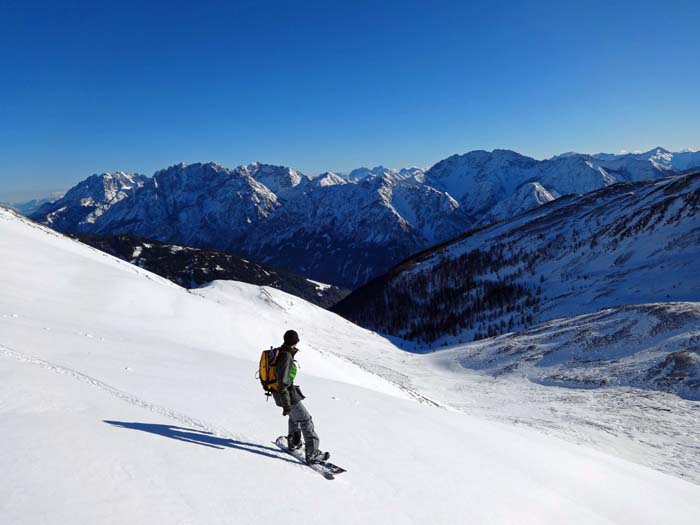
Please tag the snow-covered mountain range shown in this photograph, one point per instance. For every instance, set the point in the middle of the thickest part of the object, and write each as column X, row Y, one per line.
column 141, row 394
column 660, row 157
column 341, row 229
column 633, row 242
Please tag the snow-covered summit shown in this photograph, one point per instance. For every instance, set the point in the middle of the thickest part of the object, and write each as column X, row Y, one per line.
column 329, row 179
column 482, row 180
column 83, row 204
column 660, row 157
column 388, row 173
column 343, row 231
column 197, row 205
column 281, row 180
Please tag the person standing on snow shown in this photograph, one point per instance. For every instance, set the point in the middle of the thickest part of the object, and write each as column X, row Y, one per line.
column 289, row 396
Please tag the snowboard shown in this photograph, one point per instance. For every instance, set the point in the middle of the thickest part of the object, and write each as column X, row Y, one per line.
column 326, row 469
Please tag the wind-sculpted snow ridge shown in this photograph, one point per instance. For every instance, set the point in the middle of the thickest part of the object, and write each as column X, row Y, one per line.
column 344, row 229
column 625, row 244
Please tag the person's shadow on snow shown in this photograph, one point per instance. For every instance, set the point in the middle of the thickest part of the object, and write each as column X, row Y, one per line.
column 201, row 437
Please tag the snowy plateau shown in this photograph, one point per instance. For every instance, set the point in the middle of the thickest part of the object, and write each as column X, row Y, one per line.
column 125, row 398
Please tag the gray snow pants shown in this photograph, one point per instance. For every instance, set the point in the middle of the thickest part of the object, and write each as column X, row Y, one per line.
column 300, row 421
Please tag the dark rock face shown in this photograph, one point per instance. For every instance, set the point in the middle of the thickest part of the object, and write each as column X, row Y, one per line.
column 678, row 372
column 193, row 267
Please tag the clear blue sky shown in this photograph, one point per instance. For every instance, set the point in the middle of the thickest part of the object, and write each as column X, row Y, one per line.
column 89, row 87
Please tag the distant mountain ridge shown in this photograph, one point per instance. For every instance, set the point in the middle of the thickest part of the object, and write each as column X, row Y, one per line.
column 335, row 228
column 28, row 207
column 661, row 157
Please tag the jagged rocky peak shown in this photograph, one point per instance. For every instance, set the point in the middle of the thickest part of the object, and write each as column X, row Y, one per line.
column 209, row 180
column 106, row 185
column 481, row 172
column 197, row 172
column 281, row 180
column 99, row 189
column 184, row 175
column 381, row 172
column 414, row 172
column 364, row 173
column 89, row 199
column 328, row 179
column 479, row 158
column 528, row 196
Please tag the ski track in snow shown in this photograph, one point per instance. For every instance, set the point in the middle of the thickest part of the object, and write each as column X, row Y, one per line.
column 181, row 418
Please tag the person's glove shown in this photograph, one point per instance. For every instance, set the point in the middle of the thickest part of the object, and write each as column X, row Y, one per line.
column 286, row 411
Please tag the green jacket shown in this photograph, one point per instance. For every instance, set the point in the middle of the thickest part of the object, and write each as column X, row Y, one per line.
column 287, row 394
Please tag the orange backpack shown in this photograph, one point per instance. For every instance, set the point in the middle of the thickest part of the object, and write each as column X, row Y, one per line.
column 267, row 373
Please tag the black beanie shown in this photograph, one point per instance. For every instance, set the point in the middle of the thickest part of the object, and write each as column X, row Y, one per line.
column 291, row 337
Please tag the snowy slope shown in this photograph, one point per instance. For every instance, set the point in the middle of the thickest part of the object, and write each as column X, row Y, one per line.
column 625, row 244
column 126, row 399
column 654, row 346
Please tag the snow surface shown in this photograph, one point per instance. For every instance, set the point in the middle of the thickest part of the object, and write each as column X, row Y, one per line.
column 127, row 399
